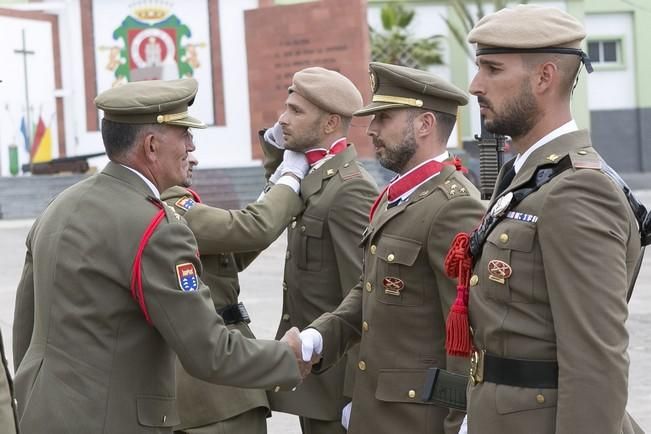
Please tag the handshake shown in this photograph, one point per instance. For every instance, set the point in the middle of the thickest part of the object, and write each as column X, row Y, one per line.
column 307, row 347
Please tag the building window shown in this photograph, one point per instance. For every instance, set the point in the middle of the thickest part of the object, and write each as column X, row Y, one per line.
column 605, row 51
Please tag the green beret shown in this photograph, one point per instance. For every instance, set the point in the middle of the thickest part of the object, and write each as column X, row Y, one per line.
column 399, row 87
column 328, row 90
column 151, row 102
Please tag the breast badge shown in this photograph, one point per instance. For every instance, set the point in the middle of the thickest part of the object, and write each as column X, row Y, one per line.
column 187, row 276
column 499, row 271
column 392, row 285
column 501, row 204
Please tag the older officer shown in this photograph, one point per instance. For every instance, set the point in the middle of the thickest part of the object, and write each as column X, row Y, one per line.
column 400, row 306
column 205, row 407
column 111, row 289
column 323, row 259
column 554, row 255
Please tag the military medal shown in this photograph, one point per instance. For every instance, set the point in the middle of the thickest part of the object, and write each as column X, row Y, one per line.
column 499, row 271
column 501, row 204
column 392, row 285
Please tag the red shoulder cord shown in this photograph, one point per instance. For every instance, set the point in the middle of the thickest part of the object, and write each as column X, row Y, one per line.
column 458, row 263
column 136, row 271
column 195, row 195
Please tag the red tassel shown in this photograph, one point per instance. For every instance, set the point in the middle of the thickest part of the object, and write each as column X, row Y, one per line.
column 458, row 263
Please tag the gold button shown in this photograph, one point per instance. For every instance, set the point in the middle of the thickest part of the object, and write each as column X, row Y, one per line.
column 362, row 365
column 365, row 326
column 294, row 389
column 474, row 280
column 286, row 317
column 164, row 418
column 412, row 394
column 582, row 153
column 293, row 224
column 277, row 389
column 369, row 287
column 373, row 249
column 303, row 228
column 391, row 257
column 540, row 398
column 504, row 238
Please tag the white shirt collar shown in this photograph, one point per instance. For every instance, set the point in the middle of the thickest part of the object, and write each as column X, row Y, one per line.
column 440, row 158
column 520, row 159
column 150, row 184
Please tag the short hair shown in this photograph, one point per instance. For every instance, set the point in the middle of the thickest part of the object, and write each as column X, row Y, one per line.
column 444, row 122
column 568, row 67
column 119, row 137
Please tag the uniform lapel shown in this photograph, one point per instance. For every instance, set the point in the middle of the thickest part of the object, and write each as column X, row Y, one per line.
column 125, row 175
column 313, row 181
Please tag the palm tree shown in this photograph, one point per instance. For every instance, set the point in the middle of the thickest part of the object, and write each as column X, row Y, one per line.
column 397, row 45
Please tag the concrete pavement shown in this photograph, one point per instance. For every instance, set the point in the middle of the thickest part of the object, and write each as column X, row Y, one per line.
column 261, row 292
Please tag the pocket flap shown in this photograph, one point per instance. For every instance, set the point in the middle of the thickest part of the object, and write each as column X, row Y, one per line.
column 398, row 251
column 400, row 385
column 157, row 411
column 513, row 235
column 509, row 399
column 311, row 226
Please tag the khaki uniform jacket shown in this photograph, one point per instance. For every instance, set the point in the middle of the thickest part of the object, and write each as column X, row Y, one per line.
column 323, row 261
column 403, row 330
column 202, row 403
column 8, row 422
column 93, row 364
column 565, row 300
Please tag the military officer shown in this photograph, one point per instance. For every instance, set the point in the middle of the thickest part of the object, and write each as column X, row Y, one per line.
column 554, row 255
column 206, row 407
column 323, row 260
column 398, row 309
column 111, row 287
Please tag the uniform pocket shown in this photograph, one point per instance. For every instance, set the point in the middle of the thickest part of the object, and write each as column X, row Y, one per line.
column 507, row 262
column 397, row 282
column 310, row 233
column 157, row 411
column 510, row 399
column 400, row 385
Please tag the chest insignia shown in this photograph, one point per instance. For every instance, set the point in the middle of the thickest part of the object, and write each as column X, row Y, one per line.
column 514, row 215
column 187, row 277
column 392, row 285
column 185, row 203
column 501, row 204
column 499, row 271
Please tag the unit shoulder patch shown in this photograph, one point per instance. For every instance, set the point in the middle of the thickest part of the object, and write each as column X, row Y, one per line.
column 187, row 277
column 185, row 203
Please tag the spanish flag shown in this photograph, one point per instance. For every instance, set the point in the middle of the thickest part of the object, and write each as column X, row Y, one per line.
column 42, row 145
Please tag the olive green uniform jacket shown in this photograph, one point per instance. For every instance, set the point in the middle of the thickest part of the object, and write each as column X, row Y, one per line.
column 403, row 329
column 323, row 261
column 565, row 300
column 88, row 362
column 253, row 228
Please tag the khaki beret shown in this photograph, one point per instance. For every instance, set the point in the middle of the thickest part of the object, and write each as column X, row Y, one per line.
column 328, row 90
column 151, row 102
column 529, row 29
column 399, row 87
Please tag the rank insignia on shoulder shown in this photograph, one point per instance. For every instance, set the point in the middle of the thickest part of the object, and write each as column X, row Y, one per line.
column 187, row 276
column 392, row 285
column 499, row 271
column 514, row 215
column 185, row 203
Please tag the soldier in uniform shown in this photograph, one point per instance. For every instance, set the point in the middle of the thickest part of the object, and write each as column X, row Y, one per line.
column 399, row 308
column 206, row 407
column 554, row 255
column 323, row 259
column 111, row 289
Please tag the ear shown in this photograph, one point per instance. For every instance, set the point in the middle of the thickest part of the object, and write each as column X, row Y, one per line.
column 425, row 124
column 332, row 123
column 547, row 74
column 150, row 146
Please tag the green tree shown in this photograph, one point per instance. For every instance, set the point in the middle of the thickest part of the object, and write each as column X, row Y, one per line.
column 397, row 45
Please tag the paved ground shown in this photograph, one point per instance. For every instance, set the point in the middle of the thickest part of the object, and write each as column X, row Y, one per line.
column 261, row 291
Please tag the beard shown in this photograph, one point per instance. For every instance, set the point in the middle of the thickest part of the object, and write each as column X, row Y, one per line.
column 396, row 157
column 302, row 140
column 519, row 115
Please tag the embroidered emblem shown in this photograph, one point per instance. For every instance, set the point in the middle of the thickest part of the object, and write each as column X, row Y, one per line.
column 514, row 215
column 499, row 271
column 187, row 276
column 392, row 285
column 553, row 157
column 185, row 203
column 373, row 81
column 501, row 204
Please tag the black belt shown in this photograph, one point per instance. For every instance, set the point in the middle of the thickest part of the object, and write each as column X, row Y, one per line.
column 521, row 373
column 234, row 313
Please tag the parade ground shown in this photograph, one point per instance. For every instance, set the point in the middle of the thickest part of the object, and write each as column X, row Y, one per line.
column 262, row 294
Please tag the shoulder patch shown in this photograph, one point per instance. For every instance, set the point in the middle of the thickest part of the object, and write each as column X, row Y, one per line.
column 185, row 203
column 453, row 188
column 349, row 170
column 187, row 277
column 586, row 159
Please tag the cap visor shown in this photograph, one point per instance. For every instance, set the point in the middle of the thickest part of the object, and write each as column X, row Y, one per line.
column 376, row 107
column 189, row 122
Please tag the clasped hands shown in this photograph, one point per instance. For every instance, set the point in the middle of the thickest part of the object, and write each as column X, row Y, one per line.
column 307, row 347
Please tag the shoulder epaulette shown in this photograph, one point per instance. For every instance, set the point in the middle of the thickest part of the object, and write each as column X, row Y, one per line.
column 349, row 170
column 452, row 188
column 585, row 158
